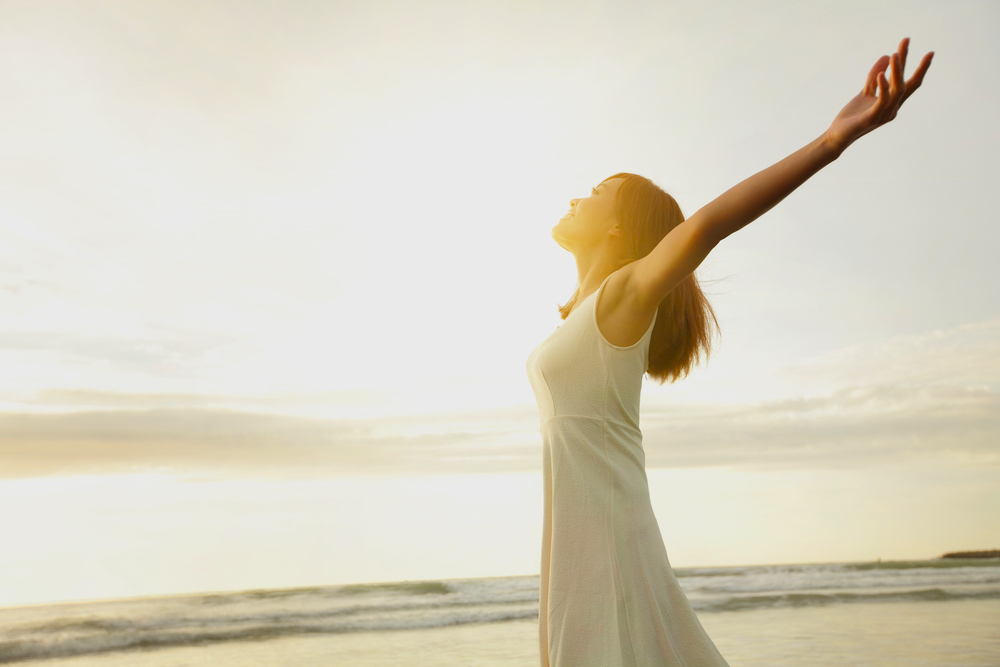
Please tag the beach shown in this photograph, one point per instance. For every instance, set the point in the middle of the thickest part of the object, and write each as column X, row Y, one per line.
column 939, row 634
column 929, row 613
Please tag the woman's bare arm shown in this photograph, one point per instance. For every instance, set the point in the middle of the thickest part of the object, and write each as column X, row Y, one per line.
column 683, row 249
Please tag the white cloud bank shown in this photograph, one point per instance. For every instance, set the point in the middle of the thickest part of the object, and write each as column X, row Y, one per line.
column 930, row 397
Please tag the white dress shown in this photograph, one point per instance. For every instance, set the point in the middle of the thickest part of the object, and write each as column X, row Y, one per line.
column 609, row 597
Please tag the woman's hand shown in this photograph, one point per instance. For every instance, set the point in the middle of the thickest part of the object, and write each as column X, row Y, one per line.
column 869, row 110
column 680, row 252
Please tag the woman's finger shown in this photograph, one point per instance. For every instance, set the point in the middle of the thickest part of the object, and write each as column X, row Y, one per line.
column 918, row 77
column 883, row 97
column 904, row 49
column 898, row 85
column 897, row 88
column 871, row 83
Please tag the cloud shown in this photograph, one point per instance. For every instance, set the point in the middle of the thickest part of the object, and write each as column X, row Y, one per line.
column 932, row 397
column 965, row 355
column 68, row 400
column 121, row 350
column 240, row 442
column 853, row 427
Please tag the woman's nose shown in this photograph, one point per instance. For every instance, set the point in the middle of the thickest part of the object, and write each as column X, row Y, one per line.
column 572, row 202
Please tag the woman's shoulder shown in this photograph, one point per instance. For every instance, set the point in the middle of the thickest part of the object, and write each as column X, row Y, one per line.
column 621, row 317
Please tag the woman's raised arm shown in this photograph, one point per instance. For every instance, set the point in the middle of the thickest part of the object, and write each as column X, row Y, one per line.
column 683, row 249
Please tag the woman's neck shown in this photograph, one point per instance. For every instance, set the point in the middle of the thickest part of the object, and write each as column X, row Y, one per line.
column 593, row 268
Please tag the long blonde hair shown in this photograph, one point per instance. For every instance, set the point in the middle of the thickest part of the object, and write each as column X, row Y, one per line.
column 685, row 321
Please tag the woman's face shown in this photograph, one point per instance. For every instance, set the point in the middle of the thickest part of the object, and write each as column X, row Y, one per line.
column 590, row 220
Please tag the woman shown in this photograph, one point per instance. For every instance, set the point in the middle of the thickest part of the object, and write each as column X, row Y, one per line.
column 609, row 597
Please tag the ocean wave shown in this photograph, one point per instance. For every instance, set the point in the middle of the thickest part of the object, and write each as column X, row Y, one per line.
column 315, row 592
column 812, row 568
column 938, row 564
column 135, row 638
column 820, row 583
column 154, row 623
column 406, row 587
column 166, row 623
column 750, row 602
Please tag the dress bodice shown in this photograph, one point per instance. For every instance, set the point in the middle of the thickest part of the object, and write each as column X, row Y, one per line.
column 576, row 372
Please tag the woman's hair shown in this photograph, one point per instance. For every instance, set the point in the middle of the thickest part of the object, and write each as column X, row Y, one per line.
column 685, row 322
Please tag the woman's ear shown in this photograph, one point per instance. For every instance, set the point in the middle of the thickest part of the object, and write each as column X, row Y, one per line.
column 615, row 231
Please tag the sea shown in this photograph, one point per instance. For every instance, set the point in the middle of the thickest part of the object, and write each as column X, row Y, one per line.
column 927, row 613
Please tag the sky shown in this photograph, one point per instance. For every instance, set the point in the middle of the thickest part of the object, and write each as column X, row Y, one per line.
column 270, row 272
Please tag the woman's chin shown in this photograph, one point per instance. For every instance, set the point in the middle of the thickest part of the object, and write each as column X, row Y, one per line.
column 559, row 238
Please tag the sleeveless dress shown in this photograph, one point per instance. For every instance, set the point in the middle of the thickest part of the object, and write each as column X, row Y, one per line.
column 608, row 597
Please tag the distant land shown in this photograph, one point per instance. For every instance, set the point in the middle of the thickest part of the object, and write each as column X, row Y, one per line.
column 995, row 553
